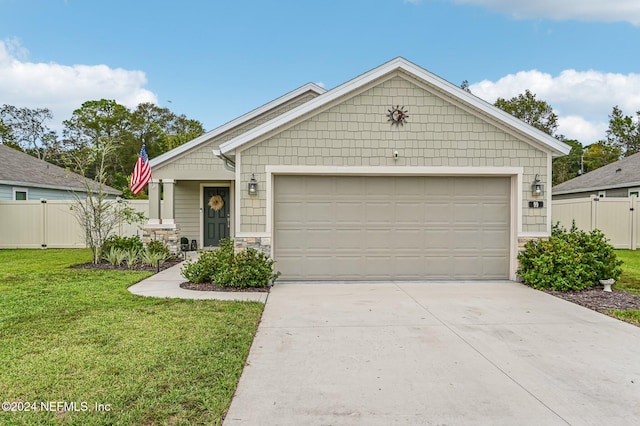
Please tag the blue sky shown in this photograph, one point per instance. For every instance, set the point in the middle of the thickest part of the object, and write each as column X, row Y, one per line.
column 215, row 60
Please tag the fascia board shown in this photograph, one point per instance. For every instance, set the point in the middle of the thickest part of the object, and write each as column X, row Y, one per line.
column 176, row 152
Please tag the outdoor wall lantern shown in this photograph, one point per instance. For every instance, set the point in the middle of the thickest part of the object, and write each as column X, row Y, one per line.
column 536, row 187
column 253, row 185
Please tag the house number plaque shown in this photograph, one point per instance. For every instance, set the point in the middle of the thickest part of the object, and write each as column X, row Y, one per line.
column 536, row 204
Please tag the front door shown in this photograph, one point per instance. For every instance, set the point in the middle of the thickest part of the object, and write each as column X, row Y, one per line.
column 216, row 215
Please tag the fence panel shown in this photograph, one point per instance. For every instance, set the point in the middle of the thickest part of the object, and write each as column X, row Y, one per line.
column 616, row 217
column 21, row 224
column 61, row 227
column 34, row 224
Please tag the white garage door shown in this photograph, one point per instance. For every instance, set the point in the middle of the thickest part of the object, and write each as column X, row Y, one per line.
column 391, row 227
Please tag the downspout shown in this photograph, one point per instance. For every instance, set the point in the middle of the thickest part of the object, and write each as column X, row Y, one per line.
column 228, row 163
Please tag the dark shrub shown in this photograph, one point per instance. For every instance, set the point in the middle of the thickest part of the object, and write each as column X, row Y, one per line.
column 568, row 260
column 248, row 268
column 200, row 270
column 122, row 243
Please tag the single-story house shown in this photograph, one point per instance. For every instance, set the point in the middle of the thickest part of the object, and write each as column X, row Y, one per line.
column 396, row 174
column 23, row 177
column 619, row 179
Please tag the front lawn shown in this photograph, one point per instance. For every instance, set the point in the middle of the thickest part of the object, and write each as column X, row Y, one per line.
column 76, row 339
column 629, row 282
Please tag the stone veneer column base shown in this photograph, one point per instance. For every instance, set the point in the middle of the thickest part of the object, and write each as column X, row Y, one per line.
column 168, row 234
column 260, row 243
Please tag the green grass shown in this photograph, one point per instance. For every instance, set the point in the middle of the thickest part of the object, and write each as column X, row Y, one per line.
column 76, row 335
column 630, row 279
column 629, row 282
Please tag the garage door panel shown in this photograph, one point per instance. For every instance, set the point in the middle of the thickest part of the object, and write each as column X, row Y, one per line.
column 391, row 227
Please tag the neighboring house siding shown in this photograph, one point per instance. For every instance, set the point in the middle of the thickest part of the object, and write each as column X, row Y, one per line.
column 617, row 192
column 201, row 164
column 187, row 209
column 6, row 193
column 355, row 132
column 612, row 193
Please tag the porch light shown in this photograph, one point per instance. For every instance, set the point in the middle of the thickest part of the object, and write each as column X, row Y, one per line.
column 253, row 185
column 536, row 187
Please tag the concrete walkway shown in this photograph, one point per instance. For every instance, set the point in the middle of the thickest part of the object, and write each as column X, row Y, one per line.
column 166, row 284
column 433, row 354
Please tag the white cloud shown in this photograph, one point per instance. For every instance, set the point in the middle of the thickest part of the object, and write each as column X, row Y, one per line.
column 583, row 100
column 63, row 88
column 582, row 10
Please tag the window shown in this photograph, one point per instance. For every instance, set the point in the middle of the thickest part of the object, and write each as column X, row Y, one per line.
column 20, row 194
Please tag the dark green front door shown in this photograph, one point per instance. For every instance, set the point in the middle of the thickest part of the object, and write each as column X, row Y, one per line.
column 216, row 215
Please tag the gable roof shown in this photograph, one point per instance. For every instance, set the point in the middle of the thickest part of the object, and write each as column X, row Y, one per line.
column 544, row 140
column 622, row 173
column 20, row 169
column 169, row 155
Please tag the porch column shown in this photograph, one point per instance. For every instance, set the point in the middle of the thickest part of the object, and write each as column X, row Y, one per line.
column 168, row 213
column 154, row 202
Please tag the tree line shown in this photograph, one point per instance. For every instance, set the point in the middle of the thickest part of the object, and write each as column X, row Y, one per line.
column 101, row 140
column 621, row 140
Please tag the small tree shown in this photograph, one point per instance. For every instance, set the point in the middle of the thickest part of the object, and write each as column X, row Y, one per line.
column 97, row 213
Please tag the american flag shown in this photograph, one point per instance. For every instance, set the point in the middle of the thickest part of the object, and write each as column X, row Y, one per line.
column 141, row 172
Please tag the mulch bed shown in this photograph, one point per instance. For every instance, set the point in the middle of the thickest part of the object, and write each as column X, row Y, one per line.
column 104, row 265
column 215, row 287
column 598, row 300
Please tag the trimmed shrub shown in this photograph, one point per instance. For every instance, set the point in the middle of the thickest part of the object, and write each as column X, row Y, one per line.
column 568, row 260
column 200, row 270
column 251, row 268
column 248, row 268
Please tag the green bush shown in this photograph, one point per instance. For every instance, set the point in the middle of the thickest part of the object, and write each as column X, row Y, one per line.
column 114, row 256
column 251, row 268
column 248, row 268
column 568, row 260
column 153, row 258
column 159, row 248
column 201, row 270
column 122, row 243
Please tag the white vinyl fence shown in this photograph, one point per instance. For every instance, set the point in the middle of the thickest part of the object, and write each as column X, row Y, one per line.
column 38, row 224
column 617, row 218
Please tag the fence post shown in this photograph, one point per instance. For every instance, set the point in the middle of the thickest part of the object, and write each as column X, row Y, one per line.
column 594, row 212
column 635, row 231
column 43, row 203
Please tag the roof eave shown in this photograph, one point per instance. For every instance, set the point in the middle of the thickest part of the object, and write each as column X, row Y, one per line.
column 168, row 156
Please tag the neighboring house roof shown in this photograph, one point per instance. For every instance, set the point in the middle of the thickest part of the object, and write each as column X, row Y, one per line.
column 168, row 156
column 622, row 173
column 20, row 169
column 543, row 140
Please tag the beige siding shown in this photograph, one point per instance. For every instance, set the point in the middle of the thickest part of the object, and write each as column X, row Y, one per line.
column 355, row 132
column 187, row 209
column 200, row 163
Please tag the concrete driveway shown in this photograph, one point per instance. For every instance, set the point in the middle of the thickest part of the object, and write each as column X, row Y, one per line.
column 465, row 353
